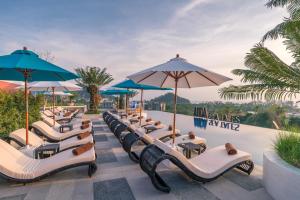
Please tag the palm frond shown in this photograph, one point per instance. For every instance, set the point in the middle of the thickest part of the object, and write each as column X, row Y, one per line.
column 256, row 92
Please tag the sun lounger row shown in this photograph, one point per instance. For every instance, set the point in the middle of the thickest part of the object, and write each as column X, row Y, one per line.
column 207, row 166
column 131, row 134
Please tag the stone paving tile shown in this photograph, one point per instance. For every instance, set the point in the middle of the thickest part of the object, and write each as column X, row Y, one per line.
column 61, row 190
column 98, row 122
column 38, row 192
column 105, row 156
column 115, row 189
column 16, row 197
column 100, row 138
column 83, row 190
column 98, row 129
column 184, row 188
column 249, row 183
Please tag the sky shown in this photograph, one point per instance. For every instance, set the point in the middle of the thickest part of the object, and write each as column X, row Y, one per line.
column 126, row 36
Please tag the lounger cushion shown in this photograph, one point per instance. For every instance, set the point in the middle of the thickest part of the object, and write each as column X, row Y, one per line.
column 209, row 164
column 15, row 164
column 150, row 137
column 36, row 141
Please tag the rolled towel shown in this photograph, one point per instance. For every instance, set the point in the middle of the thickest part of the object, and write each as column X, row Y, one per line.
column 83, row 135
column 86, row 122
column 170, row 128
column 157, row 123
column 84, row 126
column 82, row 149
column 191, row 135
column 231, row 150
column 148, row 120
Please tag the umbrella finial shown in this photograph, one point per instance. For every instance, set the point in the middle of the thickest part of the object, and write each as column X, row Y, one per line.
column 177, row 55
column 24, row 48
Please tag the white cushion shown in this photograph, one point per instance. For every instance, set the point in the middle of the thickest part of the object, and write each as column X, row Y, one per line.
column 209, row 164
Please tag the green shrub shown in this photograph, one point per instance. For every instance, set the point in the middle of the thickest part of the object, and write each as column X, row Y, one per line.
column 287, row 146
column 12, row 111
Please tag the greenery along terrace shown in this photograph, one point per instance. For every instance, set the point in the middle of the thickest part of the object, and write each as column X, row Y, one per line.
column 254, row 113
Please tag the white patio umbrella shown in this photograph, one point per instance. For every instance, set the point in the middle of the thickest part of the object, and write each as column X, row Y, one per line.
column 53, row 86
column 58, row 93
column 178, row 73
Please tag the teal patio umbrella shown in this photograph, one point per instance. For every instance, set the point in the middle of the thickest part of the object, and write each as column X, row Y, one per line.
column 119, row 92
column 25, row 65
column 129, row 84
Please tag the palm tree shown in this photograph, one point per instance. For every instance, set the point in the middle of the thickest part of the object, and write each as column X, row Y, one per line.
column 293, row 8
column 92, row 78
column 267, row 75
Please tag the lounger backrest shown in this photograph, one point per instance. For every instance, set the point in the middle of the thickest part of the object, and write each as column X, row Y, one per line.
column 48, row 113
column 174, row 152
column 47, row 130
column 20, row 135
column 49, row 121
column 12, row 161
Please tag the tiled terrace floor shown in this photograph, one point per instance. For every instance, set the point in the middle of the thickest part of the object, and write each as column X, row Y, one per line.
column 119, row 178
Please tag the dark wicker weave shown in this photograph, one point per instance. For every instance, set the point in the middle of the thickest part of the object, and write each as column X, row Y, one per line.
column 151, row 156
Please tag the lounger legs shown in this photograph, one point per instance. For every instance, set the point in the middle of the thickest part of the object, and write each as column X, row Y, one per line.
column 246, row 166
column 92, row 169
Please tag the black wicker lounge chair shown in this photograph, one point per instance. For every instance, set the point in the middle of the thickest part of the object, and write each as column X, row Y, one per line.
column 203, row 168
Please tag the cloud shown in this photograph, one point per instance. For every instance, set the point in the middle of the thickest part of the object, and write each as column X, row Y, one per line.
column 216, row 38
column 183, row 11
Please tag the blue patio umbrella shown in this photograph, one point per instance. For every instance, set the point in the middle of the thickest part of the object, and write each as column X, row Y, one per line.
column 129, row 84
column 25, row 65
column 117, row 92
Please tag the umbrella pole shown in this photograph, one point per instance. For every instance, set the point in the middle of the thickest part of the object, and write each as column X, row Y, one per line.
column 26, row 105
column 53, row 98
column 142, row 105
column 174, row 116
column 126, row 102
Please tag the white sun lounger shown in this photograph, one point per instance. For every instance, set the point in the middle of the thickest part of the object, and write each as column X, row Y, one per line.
column 37, row 141
column 16, row 166
column 75, row 122
column 42, row 129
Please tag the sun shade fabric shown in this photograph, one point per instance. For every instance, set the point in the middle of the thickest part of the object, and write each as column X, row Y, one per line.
column 13, row 65
column 57, row 85
column 131, row 84
column 117, row 92
column 192, row 75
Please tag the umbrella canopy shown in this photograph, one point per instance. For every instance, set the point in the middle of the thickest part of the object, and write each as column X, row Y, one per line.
column 132, row 85
column 59, row 93
column 25, row 65
column 178, row 73
column 129, row 84
column 50, row 85
column 21, row 62
column 117, row 92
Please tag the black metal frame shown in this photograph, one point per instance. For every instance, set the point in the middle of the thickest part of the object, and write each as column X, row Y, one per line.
column 151, row 156
column 92, row 168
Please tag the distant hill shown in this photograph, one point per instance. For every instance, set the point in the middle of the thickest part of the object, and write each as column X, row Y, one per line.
column 168, row 99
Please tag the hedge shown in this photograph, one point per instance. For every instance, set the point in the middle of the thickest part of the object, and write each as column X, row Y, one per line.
column 12, row 111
